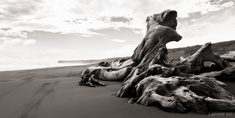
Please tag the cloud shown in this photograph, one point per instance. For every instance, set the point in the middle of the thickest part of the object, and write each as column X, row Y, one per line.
column 86, row 25
column 121, row 19
column 211, row 6
column 12, row 42
column 211, row 27
column 29, row 42
column 11, row 37
column 78, row 16
column 7, row 42
column 119, row 40
column 65, row 54
column 81, row 16
column 126, row 50
column 10, row 32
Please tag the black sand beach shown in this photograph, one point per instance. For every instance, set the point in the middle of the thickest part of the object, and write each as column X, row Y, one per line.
column 55, row 93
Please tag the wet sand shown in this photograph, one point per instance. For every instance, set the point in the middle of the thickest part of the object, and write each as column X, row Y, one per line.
column 54, row 93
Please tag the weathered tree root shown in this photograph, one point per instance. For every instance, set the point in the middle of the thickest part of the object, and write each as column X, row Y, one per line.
column 148, row 77
column 90, row 81
column 195, row 62
column 229, row 56
column 156, row 69
column 181, row 94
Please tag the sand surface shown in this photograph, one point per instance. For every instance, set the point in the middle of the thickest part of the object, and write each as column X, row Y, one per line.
column 54, row 93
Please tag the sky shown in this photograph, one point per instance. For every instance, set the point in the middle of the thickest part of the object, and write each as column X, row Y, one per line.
column 52, row 30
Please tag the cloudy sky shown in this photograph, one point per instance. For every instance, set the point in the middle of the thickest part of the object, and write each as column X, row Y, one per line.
column 51, row 30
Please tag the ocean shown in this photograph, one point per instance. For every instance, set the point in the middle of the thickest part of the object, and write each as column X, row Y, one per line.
column 23, row 66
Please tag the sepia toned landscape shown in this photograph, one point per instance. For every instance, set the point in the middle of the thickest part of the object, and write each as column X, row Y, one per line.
column 117, row 59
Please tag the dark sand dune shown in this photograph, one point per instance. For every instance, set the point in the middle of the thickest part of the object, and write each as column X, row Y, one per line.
column 54, row 93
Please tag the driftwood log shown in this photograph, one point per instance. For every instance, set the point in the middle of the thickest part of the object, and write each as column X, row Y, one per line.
column 148, row 78
column 229, row 56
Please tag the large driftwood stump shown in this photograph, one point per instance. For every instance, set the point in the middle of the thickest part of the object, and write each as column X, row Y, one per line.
column 148, row 77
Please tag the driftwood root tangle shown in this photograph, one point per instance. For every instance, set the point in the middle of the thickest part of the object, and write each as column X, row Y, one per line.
column 148, row 78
